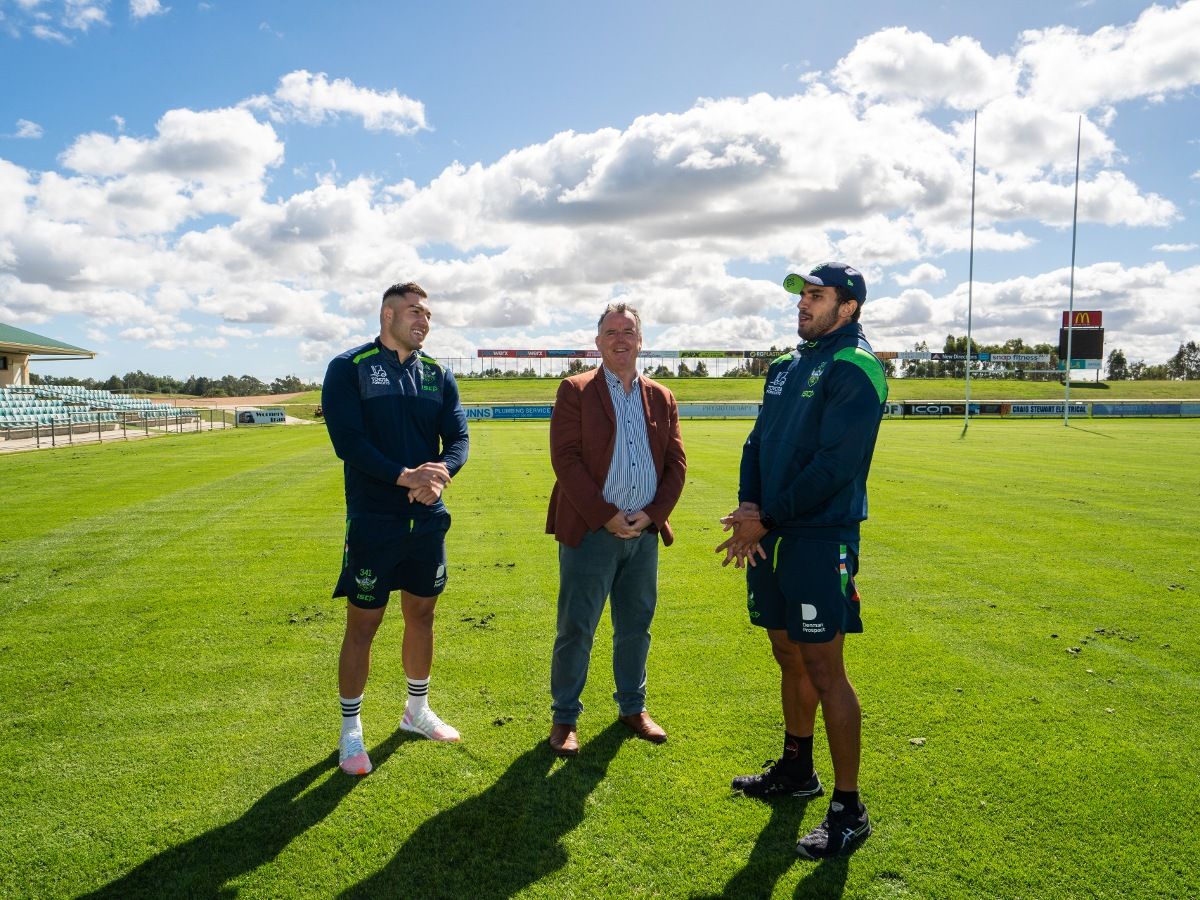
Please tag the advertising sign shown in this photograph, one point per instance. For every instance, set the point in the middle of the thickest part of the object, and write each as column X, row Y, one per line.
column 507, row 412
column 1021, row 357
column 271, row 415
column 718, row 410
column 1046, row 409
column 1083, row 318
column 948, row 408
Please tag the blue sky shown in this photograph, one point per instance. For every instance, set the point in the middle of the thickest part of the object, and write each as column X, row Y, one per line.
column 202, row 188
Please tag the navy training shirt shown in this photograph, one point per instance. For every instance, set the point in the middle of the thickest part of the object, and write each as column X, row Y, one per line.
column 385, row 415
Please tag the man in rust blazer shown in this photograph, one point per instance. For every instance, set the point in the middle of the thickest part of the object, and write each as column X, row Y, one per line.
column 619, row 463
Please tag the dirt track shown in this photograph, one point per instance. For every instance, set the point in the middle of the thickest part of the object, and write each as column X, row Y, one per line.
column 231, row 402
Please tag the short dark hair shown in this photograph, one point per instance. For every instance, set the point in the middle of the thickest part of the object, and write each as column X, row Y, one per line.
column 625, row 308
column 845, row 295
column 407, row 287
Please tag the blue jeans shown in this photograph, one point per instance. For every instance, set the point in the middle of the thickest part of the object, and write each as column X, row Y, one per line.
column 604, row 565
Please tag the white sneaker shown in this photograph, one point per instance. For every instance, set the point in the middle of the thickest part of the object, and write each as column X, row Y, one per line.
column 352, row 755
column 426, row 723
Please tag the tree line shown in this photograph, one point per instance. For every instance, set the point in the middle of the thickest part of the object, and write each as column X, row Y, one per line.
column 194, row 386
column 1183, row 366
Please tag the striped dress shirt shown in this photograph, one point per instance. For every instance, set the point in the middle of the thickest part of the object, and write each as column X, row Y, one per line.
column 632, row 482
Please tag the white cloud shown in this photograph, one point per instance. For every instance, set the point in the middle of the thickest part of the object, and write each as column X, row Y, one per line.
column 140, row 9
column 314, row 99
column 540, row 239
column 925, row 273
column 1154, row 55
column 896, row 64
column 46, row 33
column 27, row 129
column 1146, row 309
column 83, row 14
column 1175, row 248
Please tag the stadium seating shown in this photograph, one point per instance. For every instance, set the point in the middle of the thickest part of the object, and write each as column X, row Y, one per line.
column 75, row 408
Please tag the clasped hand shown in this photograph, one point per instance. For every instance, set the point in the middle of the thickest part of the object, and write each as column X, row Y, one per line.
column 426, row 482
column 740, row 548
column 629, row 525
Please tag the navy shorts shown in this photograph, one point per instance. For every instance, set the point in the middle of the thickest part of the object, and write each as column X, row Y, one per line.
column 805, row 587
column 384, row 555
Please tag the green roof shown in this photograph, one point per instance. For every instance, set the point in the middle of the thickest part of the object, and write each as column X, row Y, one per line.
column 29, row 342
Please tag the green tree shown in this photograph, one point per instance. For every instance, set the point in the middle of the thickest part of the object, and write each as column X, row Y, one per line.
column 1118, row 367
column 1155, row 373
column 289, row 384
column 701, row 370
column 683, row 371
column 1185, row 364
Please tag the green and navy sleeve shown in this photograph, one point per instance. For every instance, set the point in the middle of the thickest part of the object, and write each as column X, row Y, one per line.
column 452, row 426
column 343, row 409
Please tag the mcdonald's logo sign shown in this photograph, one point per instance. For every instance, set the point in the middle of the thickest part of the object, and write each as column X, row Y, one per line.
column 1083, row 318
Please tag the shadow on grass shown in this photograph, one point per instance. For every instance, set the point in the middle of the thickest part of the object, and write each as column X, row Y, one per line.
column 1095, row 433
column 200, row 867
column 774, row 854
column 504, row 839
column 827, row 881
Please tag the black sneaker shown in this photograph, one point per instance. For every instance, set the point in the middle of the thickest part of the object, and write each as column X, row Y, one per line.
column 777, row 782
column 841, row 831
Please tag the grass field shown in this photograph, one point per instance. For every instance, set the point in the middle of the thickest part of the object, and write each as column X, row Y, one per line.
column 541, row 390
column 167, row 657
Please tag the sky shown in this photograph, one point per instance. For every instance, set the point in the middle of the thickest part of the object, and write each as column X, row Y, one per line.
column 228, row 187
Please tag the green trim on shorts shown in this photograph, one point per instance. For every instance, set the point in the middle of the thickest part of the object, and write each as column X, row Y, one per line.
column 775, row 561
column 346, row 545
column 843, row 569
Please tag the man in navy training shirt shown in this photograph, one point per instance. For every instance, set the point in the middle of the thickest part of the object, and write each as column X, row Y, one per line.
column 395, row 420
column 802, row 495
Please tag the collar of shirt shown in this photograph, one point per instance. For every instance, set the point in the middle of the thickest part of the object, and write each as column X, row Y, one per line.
column 614, row 383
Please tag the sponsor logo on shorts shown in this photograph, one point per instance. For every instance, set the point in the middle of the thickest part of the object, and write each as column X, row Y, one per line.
column 440, row 578
column 808, row 612
column 366, row 598
column 775, row 388
column 379, row 375
column 365, row 580
column 754, row 613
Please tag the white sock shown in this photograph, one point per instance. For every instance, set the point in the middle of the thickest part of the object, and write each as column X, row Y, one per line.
column 418, row 693
column 350, row 714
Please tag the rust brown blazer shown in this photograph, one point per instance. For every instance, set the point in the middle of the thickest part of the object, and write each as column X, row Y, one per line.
column 583, row 431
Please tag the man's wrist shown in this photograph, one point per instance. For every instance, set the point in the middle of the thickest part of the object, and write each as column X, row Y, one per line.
column 767, row 522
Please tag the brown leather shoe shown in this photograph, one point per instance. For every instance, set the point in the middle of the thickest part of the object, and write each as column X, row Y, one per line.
column 644, row 727
column 563, row 739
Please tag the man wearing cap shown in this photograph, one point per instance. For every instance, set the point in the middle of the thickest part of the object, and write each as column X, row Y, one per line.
column 802, row 494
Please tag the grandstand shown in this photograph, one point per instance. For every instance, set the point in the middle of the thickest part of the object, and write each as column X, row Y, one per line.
column 19, row 348
column 32, row 411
